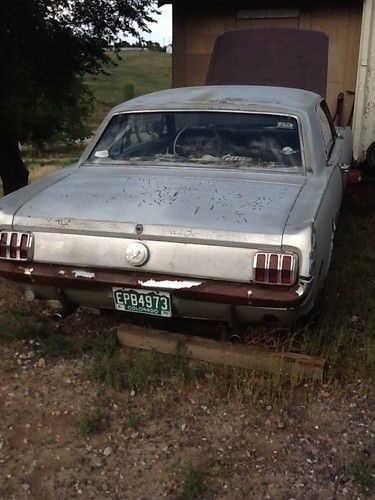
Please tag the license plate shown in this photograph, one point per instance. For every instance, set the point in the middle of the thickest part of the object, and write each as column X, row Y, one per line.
column 143, row 301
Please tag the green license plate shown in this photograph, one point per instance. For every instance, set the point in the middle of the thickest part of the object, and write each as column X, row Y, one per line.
column 143, row 301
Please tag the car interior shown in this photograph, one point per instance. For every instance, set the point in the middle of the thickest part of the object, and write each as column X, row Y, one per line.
column 192, row 136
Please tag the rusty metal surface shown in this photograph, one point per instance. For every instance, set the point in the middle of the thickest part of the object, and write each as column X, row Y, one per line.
column 279, row 57
column 207, row 290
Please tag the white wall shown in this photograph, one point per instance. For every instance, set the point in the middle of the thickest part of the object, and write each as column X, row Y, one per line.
column 364, row 108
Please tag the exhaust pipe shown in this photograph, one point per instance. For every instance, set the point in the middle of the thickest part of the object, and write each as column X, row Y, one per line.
column 57, row 317
column 67, row 308
column 66, row 311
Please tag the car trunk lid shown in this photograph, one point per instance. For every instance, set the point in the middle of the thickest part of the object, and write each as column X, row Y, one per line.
column 236, row 207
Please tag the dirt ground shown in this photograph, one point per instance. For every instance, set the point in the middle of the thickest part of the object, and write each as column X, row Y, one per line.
column 174, row 441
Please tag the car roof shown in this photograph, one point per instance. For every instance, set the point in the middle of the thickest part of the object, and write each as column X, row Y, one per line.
column 224, row 97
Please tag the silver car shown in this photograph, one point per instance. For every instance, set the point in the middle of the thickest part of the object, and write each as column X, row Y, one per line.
column 213, row 202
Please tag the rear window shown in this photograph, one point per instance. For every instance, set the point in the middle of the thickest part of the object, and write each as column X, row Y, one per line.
column 216, row 139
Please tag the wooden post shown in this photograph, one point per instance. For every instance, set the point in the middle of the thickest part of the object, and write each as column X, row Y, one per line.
column 298, row 366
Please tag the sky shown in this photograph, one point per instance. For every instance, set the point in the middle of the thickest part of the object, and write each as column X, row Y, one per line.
column 161, row 30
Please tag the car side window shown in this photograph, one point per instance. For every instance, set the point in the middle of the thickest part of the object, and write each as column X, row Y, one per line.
column 326, row 127
column 128, row 132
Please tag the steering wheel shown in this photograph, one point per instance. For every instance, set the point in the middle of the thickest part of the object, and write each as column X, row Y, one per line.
column 197, row 141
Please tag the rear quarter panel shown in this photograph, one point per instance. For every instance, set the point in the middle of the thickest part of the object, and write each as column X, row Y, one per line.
column 311, row 223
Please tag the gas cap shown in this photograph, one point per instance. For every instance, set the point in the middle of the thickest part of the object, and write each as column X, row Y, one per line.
column 137, row 254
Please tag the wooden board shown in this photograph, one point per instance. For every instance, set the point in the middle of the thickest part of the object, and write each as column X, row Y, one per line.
column 298, row 366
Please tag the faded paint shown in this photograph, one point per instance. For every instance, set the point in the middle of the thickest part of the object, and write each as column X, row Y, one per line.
column 172, row 285
column 240, row 201
column 201, row 223
column 222, row 97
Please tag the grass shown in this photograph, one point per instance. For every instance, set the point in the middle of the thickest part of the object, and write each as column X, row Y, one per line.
column 41, row 163
column 142, row 371
column 30, row 323
column 362, row 467
column 94, row 422
column 138, row 72
column 344, row 332
column 193, row 481
column 133, row 420
column 22, row 325
column 363, row 473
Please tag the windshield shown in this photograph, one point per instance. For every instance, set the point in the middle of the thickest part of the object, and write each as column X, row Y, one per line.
column 216, row 139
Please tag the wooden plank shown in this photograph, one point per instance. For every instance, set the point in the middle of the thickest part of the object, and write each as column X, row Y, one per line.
column 298, row 366
column 266, row 13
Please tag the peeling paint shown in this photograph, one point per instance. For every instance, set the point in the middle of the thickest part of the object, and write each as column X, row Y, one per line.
column 27, row 270
column 300, row 290
column 175, row 285
column 78, row 273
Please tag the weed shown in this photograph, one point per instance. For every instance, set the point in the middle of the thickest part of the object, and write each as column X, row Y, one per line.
column 31, row 324
column 55, row 345
column 133, row 420
column 343, row 330
column 246, row 385
column 142, row 370
column 363, row 472
column 22, row 325
column 94, row 422
column 193, row 484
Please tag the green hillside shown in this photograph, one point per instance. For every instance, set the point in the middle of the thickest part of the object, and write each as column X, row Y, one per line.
column 143, row 71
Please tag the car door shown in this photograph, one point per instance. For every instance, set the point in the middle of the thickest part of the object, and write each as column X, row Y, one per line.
column 338, row 142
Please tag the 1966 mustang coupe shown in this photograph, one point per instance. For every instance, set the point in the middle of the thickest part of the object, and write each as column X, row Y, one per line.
column 206, row 202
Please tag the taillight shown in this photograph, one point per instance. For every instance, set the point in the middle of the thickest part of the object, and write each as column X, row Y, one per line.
column 24, row 245
column 275, row 268
column 3, row 245
column 260, row 268
column 15, row 245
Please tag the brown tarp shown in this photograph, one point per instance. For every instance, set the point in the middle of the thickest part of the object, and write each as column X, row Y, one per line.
column 271, row 56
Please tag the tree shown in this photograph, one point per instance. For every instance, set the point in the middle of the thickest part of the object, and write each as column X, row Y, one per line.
column 46, row 47
column 154, row 46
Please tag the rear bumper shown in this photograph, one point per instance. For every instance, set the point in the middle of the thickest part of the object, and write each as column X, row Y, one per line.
column 206, row 298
